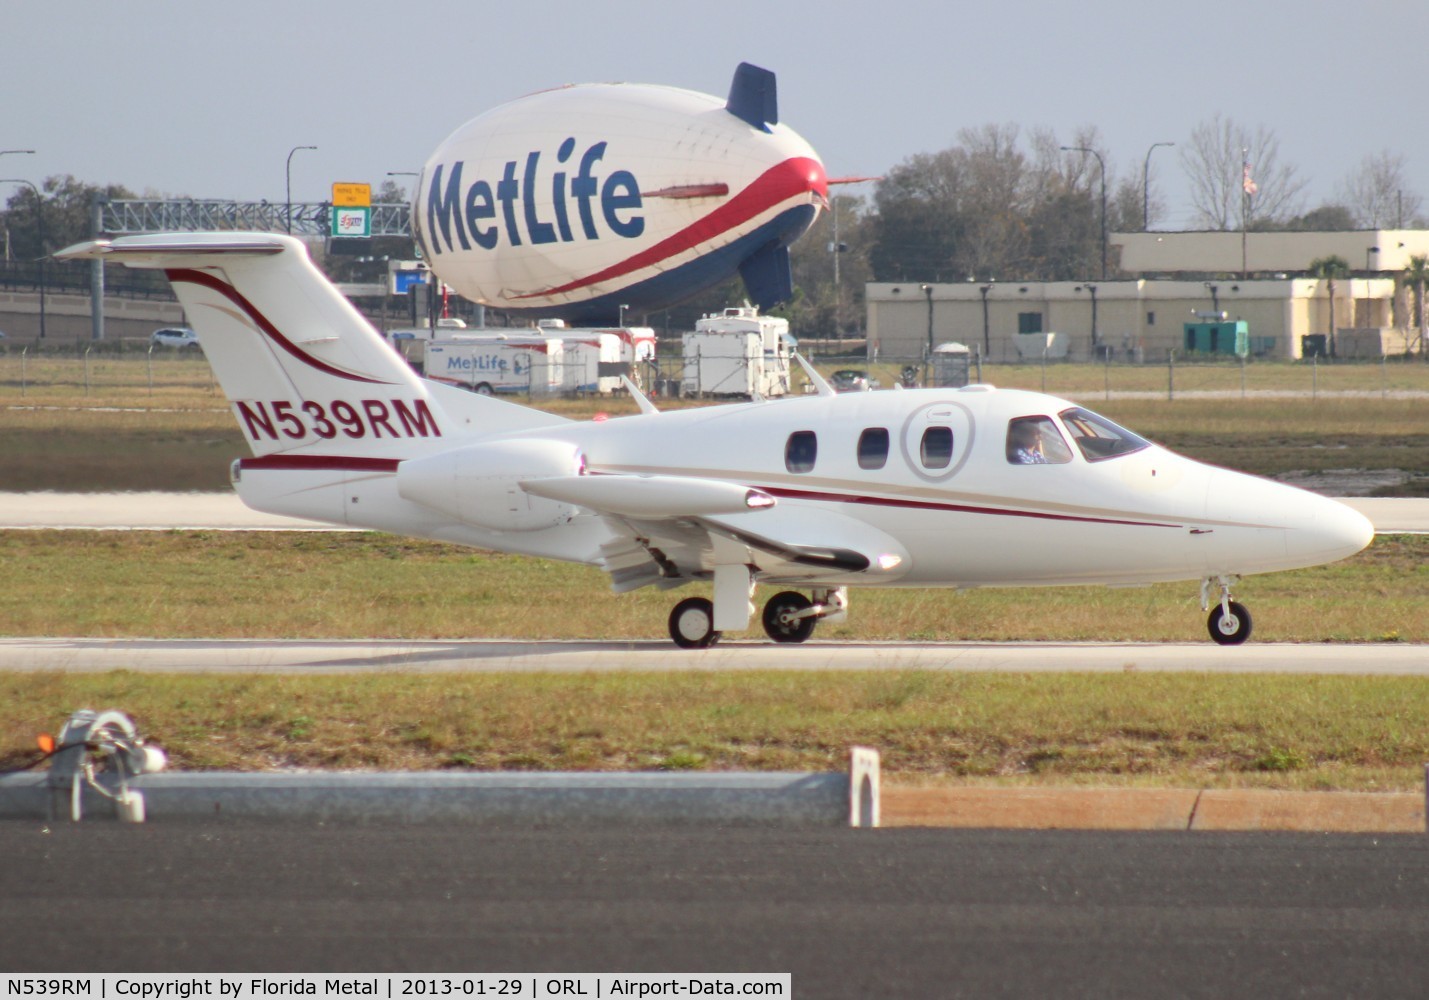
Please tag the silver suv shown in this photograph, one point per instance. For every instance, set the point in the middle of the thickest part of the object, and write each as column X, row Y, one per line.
column 173, row 336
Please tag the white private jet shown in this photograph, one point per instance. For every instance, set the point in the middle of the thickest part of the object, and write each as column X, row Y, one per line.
column 969, row 487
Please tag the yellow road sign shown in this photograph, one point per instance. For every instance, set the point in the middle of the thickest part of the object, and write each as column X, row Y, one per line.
column 351, row 195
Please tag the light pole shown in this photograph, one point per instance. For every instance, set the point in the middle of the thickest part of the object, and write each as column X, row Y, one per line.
column 986, row 335
column 928, row 291
column 40, row 228
column 1101, row 163
column 620, row 316
column 288, row 215
column 1146, row 187
column 1091, row 290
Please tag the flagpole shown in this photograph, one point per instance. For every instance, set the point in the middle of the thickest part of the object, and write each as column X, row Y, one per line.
column 1244, row 210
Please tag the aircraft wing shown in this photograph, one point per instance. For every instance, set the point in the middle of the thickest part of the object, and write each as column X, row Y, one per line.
column 671, row 529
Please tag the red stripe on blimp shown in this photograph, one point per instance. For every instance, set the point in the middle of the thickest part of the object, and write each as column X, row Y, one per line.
column 320, row 463
column 796, row 175
column 206, row 280
column 953, row 507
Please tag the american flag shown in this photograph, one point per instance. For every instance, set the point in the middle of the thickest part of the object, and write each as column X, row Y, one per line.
column 1249, row 185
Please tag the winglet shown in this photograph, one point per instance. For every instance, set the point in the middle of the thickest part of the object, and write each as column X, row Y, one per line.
column 641, row 400
column 818, row 381
column 753, row 97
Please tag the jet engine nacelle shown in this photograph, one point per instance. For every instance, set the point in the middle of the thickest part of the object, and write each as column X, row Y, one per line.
column 601, row 200
column 480, row 484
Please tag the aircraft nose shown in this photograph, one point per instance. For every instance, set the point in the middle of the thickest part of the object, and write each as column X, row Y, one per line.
column 1272, row 526
column 1336, row 531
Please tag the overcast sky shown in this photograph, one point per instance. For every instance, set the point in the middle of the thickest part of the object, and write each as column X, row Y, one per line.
column 205, row 99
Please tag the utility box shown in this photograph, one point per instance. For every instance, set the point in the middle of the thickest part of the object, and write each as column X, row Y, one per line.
column 1219, row 337
column 951, row 362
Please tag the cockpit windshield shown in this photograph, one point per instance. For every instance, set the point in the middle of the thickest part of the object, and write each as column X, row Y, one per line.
column 1098, row 438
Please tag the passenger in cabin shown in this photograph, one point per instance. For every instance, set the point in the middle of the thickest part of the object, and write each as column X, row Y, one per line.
column 1036, row 441
column 1024, row 443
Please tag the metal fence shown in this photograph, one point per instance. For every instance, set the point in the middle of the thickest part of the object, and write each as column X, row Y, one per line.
column 135, row 371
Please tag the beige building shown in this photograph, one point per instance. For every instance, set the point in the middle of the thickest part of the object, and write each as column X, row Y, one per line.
column 1144, row 318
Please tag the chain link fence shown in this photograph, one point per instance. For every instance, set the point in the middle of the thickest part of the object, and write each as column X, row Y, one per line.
column 138, row 372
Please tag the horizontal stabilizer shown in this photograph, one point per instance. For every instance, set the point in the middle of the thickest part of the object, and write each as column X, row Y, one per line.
column 753, row 97
column 650, row 496
column 768, row 277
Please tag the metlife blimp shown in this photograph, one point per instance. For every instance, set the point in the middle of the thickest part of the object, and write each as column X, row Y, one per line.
column 590, row 202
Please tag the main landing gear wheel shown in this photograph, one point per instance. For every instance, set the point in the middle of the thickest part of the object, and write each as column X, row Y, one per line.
column 779, row 623
column 692, row 624
column 1229, row 629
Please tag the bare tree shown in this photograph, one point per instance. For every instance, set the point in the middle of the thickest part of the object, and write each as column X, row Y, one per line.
column 1225, row 162
column 1377, row 194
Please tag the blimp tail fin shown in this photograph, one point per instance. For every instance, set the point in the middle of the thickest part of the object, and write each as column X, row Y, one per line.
column 768, row 276
column 301, row 366
column 753, row 96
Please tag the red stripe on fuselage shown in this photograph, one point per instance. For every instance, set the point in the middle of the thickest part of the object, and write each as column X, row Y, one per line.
column 959, row 508
column 320, row 463
column 794, row 176
column 206, row 280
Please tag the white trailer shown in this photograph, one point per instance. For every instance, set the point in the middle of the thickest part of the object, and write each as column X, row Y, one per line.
column 737, row 353
column 595, row 359
column 497, row 362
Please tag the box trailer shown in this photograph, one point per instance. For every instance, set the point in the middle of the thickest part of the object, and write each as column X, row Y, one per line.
column 737, row 352
column 497, row 362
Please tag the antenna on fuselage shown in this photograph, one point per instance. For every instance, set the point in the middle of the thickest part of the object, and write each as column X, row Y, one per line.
column 819, row 382
column 641, row 400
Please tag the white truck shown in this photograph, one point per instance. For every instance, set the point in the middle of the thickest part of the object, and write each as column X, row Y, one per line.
column 737, row 352
column 489, row 363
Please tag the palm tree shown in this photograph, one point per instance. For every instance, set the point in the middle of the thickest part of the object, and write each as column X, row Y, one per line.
column 1328, row 269
column 1417, row 275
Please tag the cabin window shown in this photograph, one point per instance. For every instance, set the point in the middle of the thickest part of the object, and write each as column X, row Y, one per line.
column 1098, row 438
column 801, row 451
column 873, row 448
column 1036, row 441
column 936, row 451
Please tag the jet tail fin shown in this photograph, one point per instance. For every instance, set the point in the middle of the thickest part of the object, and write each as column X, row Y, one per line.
column 301, row 366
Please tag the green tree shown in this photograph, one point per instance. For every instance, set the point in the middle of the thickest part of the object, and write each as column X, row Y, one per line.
column 1329, row 270
column 67, row 205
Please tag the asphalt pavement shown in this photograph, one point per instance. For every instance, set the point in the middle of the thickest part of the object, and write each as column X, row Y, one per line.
column 850, row 913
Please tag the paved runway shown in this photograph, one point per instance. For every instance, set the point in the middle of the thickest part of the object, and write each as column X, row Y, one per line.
column 358, row 656
column 225, row 512
column 850, row 913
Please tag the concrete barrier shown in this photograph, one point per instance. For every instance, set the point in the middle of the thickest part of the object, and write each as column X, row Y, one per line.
column 779, row 799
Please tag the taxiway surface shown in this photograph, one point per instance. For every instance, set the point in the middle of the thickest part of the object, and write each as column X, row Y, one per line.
column 494, row 655
column 225, row 512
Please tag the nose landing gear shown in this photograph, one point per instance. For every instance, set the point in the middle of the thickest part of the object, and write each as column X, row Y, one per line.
column 1229, row 622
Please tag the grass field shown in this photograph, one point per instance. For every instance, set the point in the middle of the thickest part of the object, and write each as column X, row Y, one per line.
column 184, row 438
column 355, row 585
column 1156, row 729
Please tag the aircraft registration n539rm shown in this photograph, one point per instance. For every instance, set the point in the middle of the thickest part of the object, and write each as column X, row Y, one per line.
column 971, row 487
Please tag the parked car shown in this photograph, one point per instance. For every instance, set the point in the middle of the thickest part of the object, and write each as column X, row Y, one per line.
column 173, row 336
column 849, row 380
